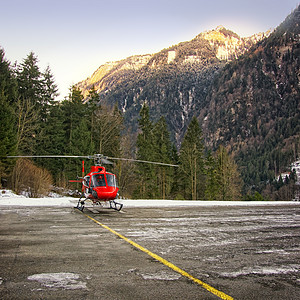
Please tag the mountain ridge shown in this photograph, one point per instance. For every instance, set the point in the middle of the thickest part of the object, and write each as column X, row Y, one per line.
column 229, row 45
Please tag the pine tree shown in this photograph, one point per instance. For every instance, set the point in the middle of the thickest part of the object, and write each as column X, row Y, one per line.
column 76, row 126
column 8, row 133
column 29, row 79
column 73, row 110
column 8, row 83
column 47, row 108
column 36, row 90
column 163, row 153
column 54, row 142
column 145, row 151
column 212, row 185
column 192, row 161
column 81, row 138
column 93, row 97
column 49, row 92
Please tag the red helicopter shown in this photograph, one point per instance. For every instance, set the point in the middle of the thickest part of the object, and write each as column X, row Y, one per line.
column 98, row 185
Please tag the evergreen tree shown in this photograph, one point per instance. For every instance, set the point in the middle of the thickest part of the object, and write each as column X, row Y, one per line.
column 8, row 133
column 73, row 110
column 212, row 184
column 50, row 90
column 80, row 131
column 29, row 79
column 93, row 97
column 145, row 151
column 76, row 127
column 192, row 161
column 36, row 90
column 163, row 153
column 54, row 142
column 81, row 138
column 47, row 109
column 93, row 107
column 8, row 83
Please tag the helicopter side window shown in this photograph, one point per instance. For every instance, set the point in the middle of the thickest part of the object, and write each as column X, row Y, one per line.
column 111, row 180
column 99, row 180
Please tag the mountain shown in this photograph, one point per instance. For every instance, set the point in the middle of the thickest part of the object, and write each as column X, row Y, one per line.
column 244, row 91
column 174, row 82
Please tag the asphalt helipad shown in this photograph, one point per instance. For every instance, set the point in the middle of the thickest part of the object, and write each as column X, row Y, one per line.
column 60, row 253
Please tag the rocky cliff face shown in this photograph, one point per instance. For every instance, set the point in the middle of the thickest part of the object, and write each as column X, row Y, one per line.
column 105, row 75
column 229, row 45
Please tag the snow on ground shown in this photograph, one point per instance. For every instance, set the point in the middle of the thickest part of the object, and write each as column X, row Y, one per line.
column 293, row 268
column 69, row 281
column 8, row 198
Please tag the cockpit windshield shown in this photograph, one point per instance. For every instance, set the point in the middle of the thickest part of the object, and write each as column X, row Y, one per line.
column 98, row 180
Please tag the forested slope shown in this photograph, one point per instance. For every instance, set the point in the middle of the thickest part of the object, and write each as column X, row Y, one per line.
column 253, row 106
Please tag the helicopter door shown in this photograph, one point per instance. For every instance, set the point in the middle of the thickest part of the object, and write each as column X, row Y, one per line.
column 111, row 180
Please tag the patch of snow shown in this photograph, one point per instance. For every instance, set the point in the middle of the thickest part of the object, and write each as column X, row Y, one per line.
column 263, row 271
column 69, row 281
column 8, row 198
column 278, row 251
column 161, row 276
column 8, row 194
column 172, row 203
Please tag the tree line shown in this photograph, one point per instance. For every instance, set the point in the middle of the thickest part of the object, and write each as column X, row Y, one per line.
column 200, row 174
column 33, row 122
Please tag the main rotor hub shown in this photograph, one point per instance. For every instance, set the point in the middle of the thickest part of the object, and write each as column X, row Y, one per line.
column 100, row 159
column 97, row 159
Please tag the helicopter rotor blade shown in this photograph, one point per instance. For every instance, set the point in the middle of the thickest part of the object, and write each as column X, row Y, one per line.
column 143, row 161
column 105, row 161
column 96, row 157
column 49, row 156
column 99, row 158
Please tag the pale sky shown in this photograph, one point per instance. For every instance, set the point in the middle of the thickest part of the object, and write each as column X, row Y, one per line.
column 75, row 37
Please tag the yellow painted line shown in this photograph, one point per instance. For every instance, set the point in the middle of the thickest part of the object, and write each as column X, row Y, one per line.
column 165, row 262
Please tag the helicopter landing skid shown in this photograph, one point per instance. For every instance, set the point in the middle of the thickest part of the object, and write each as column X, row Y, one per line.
column 115, row 205
column 112, row 204
column 80, row 204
